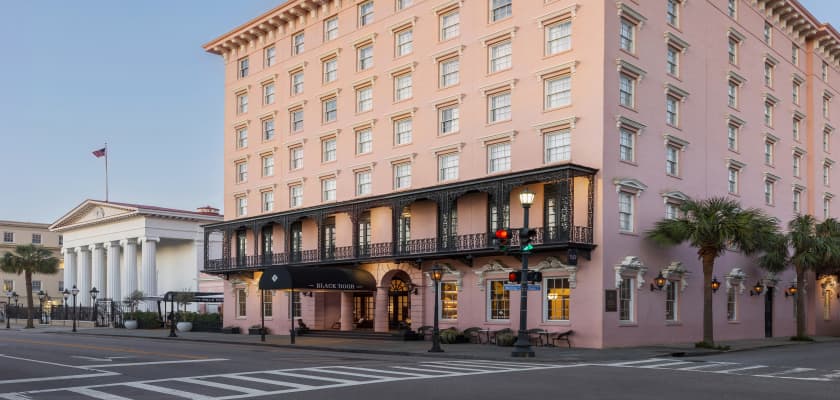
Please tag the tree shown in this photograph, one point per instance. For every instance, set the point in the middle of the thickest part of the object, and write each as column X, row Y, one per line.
column 29, row 259
column 809, row 246
column 713, row 226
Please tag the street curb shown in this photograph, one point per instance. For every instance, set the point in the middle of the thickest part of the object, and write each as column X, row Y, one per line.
column 323, row 348
column 699, row 353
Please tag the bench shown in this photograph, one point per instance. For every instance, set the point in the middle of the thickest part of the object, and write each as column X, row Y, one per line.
column 560, row 336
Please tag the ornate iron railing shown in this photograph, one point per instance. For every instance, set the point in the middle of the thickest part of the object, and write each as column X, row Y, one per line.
column 465, row 244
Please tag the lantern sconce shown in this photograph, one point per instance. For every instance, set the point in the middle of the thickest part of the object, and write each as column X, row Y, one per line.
column 757, row 289
column 658, row 283
column 715, row 285
column 791, row 291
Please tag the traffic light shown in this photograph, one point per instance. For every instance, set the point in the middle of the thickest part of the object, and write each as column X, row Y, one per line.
column 502, row 239
column 515, row 276
column 526, row 236
column 534, row 276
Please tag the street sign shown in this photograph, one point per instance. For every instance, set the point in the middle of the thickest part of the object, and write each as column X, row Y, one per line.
column 515, row 287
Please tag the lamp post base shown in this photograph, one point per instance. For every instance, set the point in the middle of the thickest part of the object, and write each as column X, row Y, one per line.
column 523, row 352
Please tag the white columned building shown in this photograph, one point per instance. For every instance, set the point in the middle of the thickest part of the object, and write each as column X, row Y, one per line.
column 101, row 241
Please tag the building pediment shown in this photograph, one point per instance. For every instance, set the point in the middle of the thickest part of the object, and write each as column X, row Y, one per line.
column 93, row 212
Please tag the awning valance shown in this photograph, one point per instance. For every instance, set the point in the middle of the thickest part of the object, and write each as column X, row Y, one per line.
column 317, row 278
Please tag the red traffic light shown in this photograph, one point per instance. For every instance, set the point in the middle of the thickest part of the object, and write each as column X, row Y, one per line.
column 502, row 234
column 515, row 276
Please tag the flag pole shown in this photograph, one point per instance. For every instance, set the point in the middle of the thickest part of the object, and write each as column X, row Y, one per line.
column 106, row 172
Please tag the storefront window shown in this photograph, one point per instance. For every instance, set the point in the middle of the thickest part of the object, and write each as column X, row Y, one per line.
column 671, row 301
column 557, row 294
column 449, row 300
column 498, row 301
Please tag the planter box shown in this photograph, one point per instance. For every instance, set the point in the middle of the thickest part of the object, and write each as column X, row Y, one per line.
column 256, row 331
column 234, row 329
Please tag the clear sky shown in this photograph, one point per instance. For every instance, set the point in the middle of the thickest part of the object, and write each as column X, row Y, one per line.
column 75, row 74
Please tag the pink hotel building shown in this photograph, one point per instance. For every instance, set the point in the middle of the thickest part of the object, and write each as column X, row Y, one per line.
column 368, row 140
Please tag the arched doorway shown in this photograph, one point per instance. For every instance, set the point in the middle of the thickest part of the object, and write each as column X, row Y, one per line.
column 399, row 303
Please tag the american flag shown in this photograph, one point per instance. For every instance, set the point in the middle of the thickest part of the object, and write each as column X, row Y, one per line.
column 99, row 153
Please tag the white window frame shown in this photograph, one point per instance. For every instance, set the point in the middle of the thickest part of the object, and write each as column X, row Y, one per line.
column 449, row 119
column 268, row 165
column 449, row 71
column 404, row 42
column 329, row 109
column 450, row 24
column 627, row 35
column 243, row 67
column 403, row 130
column 500, row 56
column 296, row 123
column 365, row 13
column 298, row 43
column 364, row 99
column 557, row 91
column 241, row 206
column 330, row 70
column 499, row 107
column 627, row 288
column 364, row 185
column 331, row 28
column 329, row 149
column 557, row 146
column 328, row 189
column 270, row 56
column 489, row 302
column 402, row 175
column 558, row 37
column 403, row 86
column 627, row 90
column 448, row 166
column 500, row 9
column 499, row 157
column 296, row 158
column 268, row 129
column 295, row 196
column 269, row 93
column 267, row 200
column 296, row 83
column 364, row 57
column 364, row 140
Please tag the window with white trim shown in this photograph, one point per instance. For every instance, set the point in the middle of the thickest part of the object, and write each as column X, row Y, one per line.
column 672, row 60
column 500, row 9
column 402, row 130
column 297, row 43
column 731, row 304
column 824, row 71
column 732, row 179
column 732, row 8
column 558, row 37
column 797, row 200
column 769, row 151
column 268, row 165
column 672, row 160
column 268, row 129
column 627, row 145
column 330, row 68
column 499, row 107
column 363, row 183
column 244, row 66
column 296, row 119
column 448, row 117
column 296, row 82
column 769, row 191
column 557, row 145
column 267, row 200
column 796, row 88
column 498, row 301
column 241, row 303
column 449, row 301
column 794, row 54
column 672, row 295
column 331, row 28
column 328, row 186
column 826, row 173
column 329, row 109
column 242, row 103
column 498, row 157
column 732, row 131
column 270, row 56
column 402, row 87
column 826, row 207
column 404, row 42
column 366, row 13
column 672, row 110
column 626, row 207
column 796, row 164
column 625, row 300
column 769, row 70
column 627, row 35
column 241, row 206
column 329, row 147
column 296, row 157
column 450, row 24
column 402, row 175
column 448, row 167
column 768, row 113
column 557, row 299
column 768, row 32
column 558, row 91
column 241, row 172
column 733, row 49
column 268, row 94
column 364, row 141
column 36, row 239
column 826, row 140
column 627, row 90
column 401, row 4
column 672, row 13
column 268, row 303
column 295, row 195
column 732, row 91
column 364, row 99
column 449, row 70
column 364, row 57
column 826, row 106
column 500, row 56
column 242, row 138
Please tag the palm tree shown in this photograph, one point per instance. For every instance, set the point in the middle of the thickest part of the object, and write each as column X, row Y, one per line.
column 712, row 226
column 813, row 246
column 29, row 259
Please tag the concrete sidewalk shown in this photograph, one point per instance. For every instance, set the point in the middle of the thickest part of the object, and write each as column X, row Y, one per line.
column 420, row 348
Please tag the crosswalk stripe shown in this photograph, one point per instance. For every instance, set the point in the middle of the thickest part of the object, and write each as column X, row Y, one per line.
column 456, row 368
column 726, row 371
column 704, row 365
column 386, row 372
column 427, row 370
column 317, row 378
column 97, row 394
column 14, row 396
column 271, row 382
column 332, row 371
column 164, row 390
column 789, row 371
column 626, row 363
column 499, row 363
column 667, row 364
column 220, row 386
column 482, row 367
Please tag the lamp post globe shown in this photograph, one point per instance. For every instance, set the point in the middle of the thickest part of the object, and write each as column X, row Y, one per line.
column 437, row 274
column 75, row 292
column 522, row 347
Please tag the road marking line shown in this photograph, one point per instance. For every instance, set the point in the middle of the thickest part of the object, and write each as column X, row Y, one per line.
column 789, row 371
column 58, row 378
column 331, row 371
column 500, row 363
column 667, row 364
column 111, row 349
column 270, row 382
column 834, row 374
column 100, row 359
column 41, row 362
column 726, row 371
column 317, row 378
column 153, row 363
column 477, row 365
column 474, row 368
column 97, row 394
column 165, row 390
column 221, row 386
column 14, row 396
column 428, row 370
column 381, row 371
column 701, row 366
column 626, row 363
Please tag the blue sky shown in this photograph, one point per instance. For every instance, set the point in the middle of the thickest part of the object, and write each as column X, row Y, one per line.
column 78, row 73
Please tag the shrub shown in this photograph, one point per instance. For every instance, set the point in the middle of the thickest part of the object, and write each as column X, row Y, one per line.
column 802, row 339
column 505, row 339
column 145, row 319
column 707, row 345
column 448, row 336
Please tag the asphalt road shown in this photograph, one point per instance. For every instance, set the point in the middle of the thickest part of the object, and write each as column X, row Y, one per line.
column 62, row 366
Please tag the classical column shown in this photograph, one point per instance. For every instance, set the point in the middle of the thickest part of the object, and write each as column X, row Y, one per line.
column 346, row 311
column 130, row 266
column 148, row 269
column 98, row 269
column 83, row 278
column 380, row 312
column 114, row 288
column 69, row 268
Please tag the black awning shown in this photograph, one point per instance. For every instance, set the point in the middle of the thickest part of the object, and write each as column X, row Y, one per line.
column 194, row 297
column 317, row 278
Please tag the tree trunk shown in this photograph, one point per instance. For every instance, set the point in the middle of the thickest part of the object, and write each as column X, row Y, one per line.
column 708, row 315
column 29, row 302
column 800, row 301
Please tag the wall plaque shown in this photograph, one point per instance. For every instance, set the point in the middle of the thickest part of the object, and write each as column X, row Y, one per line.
column 610, row 300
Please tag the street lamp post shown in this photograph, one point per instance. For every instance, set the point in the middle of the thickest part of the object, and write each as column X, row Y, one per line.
column 41, row 296
column 437, row 273
column 93, row 293
column 66, row 294
column 17, row 311
column 8, row 302
column 522, row 347
column 74, row 291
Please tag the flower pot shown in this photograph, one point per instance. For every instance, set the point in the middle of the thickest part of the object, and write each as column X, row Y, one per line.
column 130, row 324
column 184, row 326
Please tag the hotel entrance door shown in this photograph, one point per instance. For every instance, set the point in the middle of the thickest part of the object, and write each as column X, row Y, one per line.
column 399, row 304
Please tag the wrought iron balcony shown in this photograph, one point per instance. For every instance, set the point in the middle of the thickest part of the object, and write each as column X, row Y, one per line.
column 548, row 238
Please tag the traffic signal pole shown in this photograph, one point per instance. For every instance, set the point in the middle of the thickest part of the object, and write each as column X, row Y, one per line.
column 522, row 347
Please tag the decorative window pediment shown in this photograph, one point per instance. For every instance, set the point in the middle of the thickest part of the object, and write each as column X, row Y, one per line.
column 494, row 266
column 554, row 265
column 630, row 267
column 629, row 184
column 675, row 195
column 675, row 271
column 448, row 272
column 735, row 279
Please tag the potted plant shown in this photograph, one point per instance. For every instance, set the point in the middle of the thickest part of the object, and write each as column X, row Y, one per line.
column 256, row 329
column 130, row 321
column 230, row 329
column 183, row 299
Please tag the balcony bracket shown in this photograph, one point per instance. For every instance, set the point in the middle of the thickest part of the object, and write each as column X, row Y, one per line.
column 467, row 260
